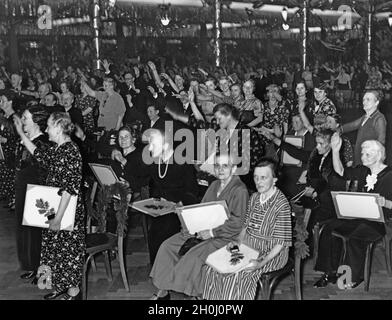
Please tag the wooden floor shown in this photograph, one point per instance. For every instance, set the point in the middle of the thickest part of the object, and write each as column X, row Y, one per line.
column 99, row 288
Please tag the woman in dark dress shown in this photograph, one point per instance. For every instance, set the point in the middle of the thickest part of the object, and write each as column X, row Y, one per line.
column 170, row 180
column 28, row 171
column 128, row 163
column 62, row 252
column 374, row 177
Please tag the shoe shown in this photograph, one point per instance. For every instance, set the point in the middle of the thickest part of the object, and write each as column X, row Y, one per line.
column 28, row 275
column 67, row 296
column 352, row 285
column 53, row 295
column 324, row 280
column 155, row 297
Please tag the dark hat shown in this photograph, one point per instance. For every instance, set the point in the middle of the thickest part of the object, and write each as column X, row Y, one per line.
column 9, row 94
column 321, row 85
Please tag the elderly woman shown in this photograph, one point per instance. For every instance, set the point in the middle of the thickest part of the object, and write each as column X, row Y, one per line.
column 251, row 108
column 62, row 251
column 371, row 126
column 170, row 180
column 29, row 171
column 375, row 177
column 183, row 274
column 267, row 229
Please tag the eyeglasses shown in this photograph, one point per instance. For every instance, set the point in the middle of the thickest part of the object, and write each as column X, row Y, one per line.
column 223, row 166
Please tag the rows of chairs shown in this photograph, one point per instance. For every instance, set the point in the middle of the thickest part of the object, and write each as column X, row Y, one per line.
column 108, row 243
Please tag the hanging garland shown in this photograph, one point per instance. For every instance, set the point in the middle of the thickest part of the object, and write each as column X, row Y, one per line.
column 300, row 233
column 105, row 197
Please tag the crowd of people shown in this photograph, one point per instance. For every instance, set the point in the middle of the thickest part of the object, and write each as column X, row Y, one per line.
column 55, row 120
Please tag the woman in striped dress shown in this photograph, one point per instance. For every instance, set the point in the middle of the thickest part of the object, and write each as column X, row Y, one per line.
column 267, row 229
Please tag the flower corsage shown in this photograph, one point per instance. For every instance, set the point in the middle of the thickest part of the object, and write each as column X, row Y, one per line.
column 371, row 180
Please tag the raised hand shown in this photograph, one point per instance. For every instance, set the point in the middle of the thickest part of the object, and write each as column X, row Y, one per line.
column 336, row 142
column 191, row 95
column 151, row 65
column 18, row 125
column 277, row 131
column 106, row 64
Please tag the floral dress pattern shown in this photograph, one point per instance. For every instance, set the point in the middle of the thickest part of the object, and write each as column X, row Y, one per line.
column 64, row 251
column 7, row 166
column 325, row 107
column 278, row 116
column 267, row 224
column 83, row 103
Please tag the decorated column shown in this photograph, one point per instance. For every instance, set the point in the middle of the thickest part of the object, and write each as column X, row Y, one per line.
column 96, row 24
column 304, row 43
column 218, row 33
column 369, row 33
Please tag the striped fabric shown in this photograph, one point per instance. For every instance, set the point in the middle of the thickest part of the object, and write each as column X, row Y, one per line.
column 267, row 224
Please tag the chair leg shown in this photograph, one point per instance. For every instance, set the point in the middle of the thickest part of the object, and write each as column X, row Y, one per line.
column 265, row 288
column 122, row 264
column 108, row 266
column 316, row 236
column 93, row 264
column 368, row 262
column 297, row 278
column 145, row 228
column 387, row 246
column 84, row 278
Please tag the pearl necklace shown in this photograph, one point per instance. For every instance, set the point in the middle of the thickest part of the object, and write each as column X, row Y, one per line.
column 159, row 168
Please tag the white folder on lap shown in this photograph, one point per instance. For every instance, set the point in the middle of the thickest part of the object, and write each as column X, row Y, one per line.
column 204, row 216
column 220, row 259
column 43, row 200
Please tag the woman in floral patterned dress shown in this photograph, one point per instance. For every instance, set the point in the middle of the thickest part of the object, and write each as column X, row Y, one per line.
column 86, row 104
column 8, row 142
column 62, row 251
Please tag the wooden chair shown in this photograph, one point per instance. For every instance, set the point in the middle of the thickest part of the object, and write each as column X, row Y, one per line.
column 386, row 240
column 105, row 242
column 268, row 280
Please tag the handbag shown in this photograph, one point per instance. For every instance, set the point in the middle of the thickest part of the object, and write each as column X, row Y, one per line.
column 188, row 244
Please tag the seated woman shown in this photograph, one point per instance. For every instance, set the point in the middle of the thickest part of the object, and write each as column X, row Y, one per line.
column 129, row 165
column 322, row 179
column 266, row 228
column 170, row 180
column 183, row 274
column 373, row 176
column 290, row 183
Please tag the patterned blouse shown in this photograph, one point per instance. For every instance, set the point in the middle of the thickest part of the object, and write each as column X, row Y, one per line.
column 325, row 107
column 83, row 103
column 278, row 116
column 252, row 104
